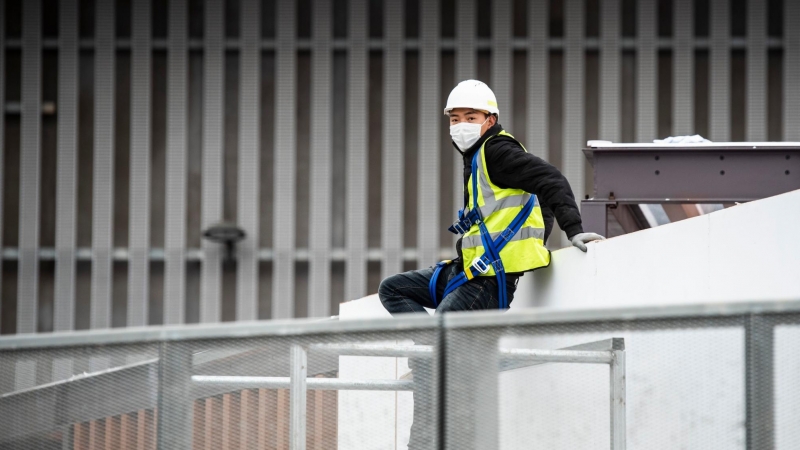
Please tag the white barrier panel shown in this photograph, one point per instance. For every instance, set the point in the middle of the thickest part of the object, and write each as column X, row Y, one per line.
column 709, row 258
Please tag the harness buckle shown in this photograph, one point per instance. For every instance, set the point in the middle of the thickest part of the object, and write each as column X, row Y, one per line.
column 480, row 266
column 462, row 226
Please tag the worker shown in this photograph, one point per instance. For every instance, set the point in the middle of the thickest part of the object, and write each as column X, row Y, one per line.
column 510, row 199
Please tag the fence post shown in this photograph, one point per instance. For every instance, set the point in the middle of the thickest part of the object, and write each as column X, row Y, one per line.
column 759, row 372
column 618, row 400
column 297, row 398
column 174, row 401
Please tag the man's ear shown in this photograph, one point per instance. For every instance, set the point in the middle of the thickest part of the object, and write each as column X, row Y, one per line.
column 493, row 122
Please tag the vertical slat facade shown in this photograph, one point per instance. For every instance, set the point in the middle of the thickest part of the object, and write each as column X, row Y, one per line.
column 683, row 69
column 249, row 160
column 393, row 138
column 574, row 57
column 88, row 183
column 30, row 154
column 466, row 69
column 757, row 71
column 430, row 120
column 2, row 134
column 538, row 73
column 610, row 79
column 791, row 72
column 319, row 298
column 357, row 94
column 720, row 72
column 213, row 145
column 66, row 190
column 502, row 61
column 175, row 214
column 103, row 185
column 139, row 204
column 646, row 71
column 285, row 163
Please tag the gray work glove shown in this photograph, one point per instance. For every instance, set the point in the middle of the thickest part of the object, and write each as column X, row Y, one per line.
column 581, row 239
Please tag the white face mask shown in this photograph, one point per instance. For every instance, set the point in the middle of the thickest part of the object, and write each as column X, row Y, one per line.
column 466, row 134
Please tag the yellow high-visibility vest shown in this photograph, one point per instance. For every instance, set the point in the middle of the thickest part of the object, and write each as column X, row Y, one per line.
column 498, row 207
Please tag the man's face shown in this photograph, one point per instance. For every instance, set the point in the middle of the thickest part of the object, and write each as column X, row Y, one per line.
column 468, row 115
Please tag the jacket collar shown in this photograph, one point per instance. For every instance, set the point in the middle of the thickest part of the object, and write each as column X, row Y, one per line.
column 495, row 129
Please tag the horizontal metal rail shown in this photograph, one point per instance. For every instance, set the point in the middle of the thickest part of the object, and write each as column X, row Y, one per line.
column 319, row 384
column 373, row 350
column 557, row 356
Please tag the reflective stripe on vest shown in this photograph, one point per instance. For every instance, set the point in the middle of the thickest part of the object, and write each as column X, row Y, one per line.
column 525, row 250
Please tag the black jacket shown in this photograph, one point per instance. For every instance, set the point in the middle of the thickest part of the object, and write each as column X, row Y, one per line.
column 510, row 166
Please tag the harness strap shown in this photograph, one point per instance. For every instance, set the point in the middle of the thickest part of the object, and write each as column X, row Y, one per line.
column 490, row 257
column 492, row 248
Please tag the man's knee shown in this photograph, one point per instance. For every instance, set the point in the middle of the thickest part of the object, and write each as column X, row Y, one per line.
column 387, row 287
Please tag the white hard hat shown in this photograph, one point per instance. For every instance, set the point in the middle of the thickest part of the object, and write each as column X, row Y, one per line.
column 472, row 94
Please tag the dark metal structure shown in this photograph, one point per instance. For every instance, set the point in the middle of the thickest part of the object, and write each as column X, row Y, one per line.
column 630, row 174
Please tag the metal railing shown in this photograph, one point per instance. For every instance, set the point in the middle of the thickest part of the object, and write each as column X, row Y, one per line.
column 610, row 351
column 170, row 367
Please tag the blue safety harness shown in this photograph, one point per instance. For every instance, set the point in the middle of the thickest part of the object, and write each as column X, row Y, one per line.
column 492, row 248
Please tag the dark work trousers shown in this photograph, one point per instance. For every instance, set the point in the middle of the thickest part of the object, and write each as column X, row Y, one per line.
column 408, row 293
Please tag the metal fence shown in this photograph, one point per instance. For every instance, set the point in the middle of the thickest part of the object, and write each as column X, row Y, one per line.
column 716, row 376
column 131, row 126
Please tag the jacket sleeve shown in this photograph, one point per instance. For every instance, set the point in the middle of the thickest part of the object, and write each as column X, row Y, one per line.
column 510, row 166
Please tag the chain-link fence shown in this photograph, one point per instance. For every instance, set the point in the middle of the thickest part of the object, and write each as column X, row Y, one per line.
column 709, row 376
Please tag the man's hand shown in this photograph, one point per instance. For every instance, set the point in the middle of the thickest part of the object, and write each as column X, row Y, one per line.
column 581, row 239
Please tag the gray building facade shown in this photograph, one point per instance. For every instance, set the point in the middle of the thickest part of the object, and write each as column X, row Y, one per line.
column 316, row 126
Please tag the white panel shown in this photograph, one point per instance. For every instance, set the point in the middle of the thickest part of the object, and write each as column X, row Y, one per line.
column 357, row 94
column 574, row 161
column 319, row 296
column 610, row 79
column 175, row 236
column 249, row 161
column 646, row 72
column 285, row 164
column 430, row 124
column 66, row 183
column 213, row 145
column 696, row 251
column 502, row 61
column 30, row 154
column 393, row 117
column 757, row 71
column 139, row 202
column 683, row 69
column 103, row 186
column 538, row 74
column 466, row 69
column 791, row 71
column 720, row 72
